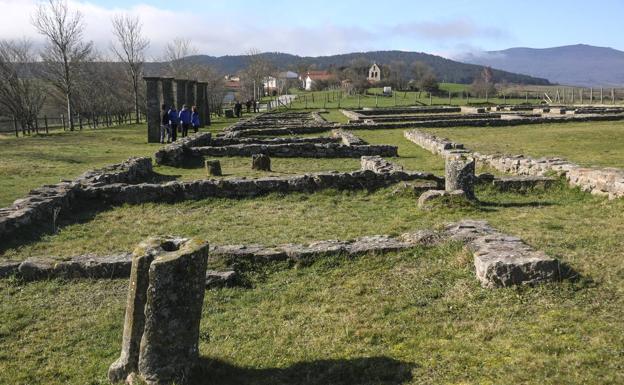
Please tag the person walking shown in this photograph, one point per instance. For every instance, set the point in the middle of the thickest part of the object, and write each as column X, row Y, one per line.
column 255, row 106
column 173, row 123
column 248, row 105
column 195, row 119
column 165, row 127
column 185, row 120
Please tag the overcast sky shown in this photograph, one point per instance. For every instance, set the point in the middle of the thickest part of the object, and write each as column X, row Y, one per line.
column 443, row 27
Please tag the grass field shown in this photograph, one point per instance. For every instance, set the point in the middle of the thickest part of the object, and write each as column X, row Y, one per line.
column 589, row 144
column 414, row 317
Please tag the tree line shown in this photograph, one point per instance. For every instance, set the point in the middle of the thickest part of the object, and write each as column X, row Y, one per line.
column 71, row 74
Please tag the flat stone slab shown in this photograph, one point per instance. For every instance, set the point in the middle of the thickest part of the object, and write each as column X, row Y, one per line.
column 502, row 260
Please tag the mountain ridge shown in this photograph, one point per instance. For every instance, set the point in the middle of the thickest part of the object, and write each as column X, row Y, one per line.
column 578, row 64
column 447, row 70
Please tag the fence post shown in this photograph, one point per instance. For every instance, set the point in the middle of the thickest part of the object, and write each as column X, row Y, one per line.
column 376, row 100
column 450, row 102
column 430, row 99
column 36, row 125
column 80, row 121
column 601, row 95
column 63, row 121
column 359, row 102
column 45, row 120
column 15, row 127
column 394, row 94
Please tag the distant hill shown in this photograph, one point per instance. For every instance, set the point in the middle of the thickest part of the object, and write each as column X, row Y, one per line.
column 446, row 70
column 582, row 65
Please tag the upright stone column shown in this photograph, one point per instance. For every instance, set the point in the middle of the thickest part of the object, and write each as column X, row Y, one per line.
column 460, row 174
column 153, row 109
column 207, row 105
column 201, row 102
column 161, row 329
column 180, row 93
column 190, row 93
column 167, row 91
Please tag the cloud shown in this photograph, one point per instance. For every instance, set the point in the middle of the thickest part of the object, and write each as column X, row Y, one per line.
column 236, row 34
column 457, row 29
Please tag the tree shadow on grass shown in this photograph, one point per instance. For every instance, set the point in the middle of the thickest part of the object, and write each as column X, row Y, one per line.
column 361, row 371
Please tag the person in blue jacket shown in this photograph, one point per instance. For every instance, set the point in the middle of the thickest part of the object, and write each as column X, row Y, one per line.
column 195, row 119
column 185, row 119
column 173, row 123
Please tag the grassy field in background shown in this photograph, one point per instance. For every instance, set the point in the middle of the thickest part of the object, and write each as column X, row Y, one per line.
column 589, row 144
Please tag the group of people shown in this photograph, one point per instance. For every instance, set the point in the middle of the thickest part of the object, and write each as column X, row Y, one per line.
column 238, row 107
column 174, row 122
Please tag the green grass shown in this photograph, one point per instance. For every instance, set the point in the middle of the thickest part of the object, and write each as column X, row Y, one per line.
column 414, row 317
column 589, row 144
column 30, row 162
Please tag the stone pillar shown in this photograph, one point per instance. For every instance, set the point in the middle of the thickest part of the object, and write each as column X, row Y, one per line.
column 207, row 105
column 201, row 102
column 460, row 174
column 153, row 109
column 165, row 298
column 260, row 162
column 190, row 93
column 180, row 93
column 167, row 91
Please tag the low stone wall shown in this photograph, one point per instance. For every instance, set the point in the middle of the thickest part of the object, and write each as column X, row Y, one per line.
column 296, row 150
column 245, row 188
column 429, row 118
column 407, row 110
column 607, row 182
column 278, row 131
column 352, row 115
column 432, row 143
column 41, row 204
column 516, row 121
column 227, row 141
column 347, row 138
column 500, row 260
column 379, row 164
column 177, row 153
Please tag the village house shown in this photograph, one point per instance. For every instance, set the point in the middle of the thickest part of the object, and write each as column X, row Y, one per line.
column 274, row 85
column 315, row 76
column 374, row 74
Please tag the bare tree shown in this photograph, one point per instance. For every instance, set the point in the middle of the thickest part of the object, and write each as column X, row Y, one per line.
column 423, row 77
column 253, row 76
column 484, row 85
column 177, row 55
column 130, row 49
column 20, row 93
column 65, row 49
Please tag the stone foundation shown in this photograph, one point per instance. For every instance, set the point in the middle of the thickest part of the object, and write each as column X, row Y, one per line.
column 500, row 260
column 296, row 150
column 607, row 182
column 379, row 165
column 41, row 204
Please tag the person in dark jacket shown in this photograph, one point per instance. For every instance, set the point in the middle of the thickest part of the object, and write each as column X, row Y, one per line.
column 185, row 119
column 255, row 105
column 248, row 105
column 165, row 127
column 238, row 109
column 173, row 123
column 195, row 119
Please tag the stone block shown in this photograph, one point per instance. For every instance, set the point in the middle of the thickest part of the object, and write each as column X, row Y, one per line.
column 523, row 183
column 213, row 167
column 260, row 162
column 501, row 260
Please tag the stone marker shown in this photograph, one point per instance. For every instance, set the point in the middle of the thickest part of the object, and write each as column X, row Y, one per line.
column 165, row 297
column 260, row 162
column 427, row 198
column 460, row 174
column 213, row 167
